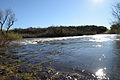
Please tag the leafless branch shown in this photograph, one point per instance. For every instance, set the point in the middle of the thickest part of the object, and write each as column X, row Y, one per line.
column 10, row 21
column 7, row 19
column 116, row 13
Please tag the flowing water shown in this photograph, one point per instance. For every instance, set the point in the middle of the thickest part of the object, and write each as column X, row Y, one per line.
column 97, row 54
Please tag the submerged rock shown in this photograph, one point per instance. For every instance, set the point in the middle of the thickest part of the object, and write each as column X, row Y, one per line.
column 53, row 52
column 3, row 71
column 14, row 78
column 26, row 69
column 15, row 70
column 8, row 55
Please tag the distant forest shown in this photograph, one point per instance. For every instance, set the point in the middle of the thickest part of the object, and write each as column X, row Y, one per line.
column 60, row 31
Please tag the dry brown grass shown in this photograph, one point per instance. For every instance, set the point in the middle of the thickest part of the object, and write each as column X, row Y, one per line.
column 5, row 39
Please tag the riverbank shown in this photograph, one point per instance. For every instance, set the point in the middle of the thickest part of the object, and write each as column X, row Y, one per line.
column 6, row 38
column 60, row 31
column 11, row 68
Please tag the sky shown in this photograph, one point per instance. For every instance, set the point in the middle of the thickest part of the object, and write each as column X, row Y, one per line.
column 45, row 13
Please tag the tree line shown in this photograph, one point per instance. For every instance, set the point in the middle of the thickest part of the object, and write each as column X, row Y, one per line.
column 61, row 31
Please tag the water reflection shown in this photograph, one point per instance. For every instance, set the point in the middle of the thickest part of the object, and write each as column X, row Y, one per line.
column 101, row 38
column 115, row 66
column 97, row 46
column 101, row 74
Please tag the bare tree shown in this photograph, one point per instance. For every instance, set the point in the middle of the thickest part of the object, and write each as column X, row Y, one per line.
column 116, row 13
column 7, row 19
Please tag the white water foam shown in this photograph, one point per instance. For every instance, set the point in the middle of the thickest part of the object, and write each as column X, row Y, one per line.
column 37, row 40
column 93, row 38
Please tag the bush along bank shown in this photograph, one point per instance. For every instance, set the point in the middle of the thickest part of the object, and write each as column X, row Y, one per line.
column 61, row 31
column 6, row 38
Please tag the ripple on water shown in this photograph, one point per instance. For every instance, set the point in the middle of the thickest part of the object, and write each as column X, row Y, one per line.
column 100, row 73
column 88, row 52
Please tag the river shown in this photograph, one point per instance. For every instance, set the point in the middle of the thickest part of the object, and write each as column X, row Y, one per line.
column 97, row 54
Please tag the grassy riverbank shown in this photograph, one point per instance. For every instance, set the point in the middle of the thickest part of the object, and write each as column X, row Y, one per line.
column 6, row 38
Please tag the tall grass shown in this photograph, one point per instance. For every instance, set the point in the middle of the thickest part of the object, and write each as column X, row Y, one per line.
column 6, row 38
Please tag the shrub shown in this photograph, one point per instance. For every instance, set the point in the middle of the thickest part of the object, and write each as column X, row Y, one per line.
column 6, row 38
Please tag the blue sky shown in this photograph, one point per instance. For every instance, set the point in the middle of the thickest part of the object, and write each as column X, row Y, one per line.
column 44, row 13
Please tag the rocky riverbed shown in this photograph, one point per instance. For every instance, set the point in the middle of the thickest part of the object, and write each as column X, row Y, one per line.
column 11, row 68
